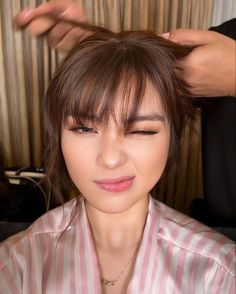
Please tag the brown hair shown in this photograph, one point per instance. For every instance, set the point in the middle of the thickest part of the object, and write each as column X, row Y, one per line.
column 86, row 84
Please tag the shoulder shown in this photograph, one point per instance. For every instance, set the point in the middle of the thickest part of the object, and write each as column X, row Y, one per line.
column 48, row 227
column 195, row 239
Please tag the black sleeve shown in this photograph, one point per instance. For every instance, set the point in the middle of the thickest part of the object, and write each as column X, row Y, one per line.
column 227, row 28
column 219, row 151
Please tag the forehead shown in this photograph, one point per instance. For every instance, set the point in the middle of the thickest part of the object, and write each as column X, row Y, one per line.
column 150, row 103
column 151, row 100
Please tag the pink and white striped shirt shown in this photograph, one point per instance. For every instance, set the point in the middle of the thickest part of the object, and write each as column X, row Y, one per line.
column 176, row 255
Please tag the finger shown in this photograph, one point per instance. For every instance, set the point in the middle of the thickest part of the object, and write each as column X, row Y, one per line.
column 65, row 11
column 191, row 37
column 40, row 26
column 23, row 18
column 75, row 35
column 58, row 32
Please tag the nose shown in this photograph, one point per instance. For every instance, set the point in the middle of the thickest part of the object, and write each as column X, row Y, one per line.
column 111, row 153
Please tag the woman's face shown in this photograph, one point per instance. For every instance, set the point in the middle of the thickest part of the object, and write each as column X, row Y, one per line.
column 115, row 170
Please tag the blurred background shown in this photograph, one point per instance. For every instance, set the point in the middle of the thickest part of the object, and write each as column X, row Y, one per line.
column 27, row 65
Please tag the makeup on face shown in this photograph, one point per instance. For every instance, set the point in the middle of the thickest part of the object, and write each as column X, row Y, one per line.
column 115, row 185
column 116, row 164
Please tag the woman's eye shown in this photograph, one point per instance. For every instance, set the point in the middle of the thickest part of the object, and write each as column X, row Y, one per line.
column 142, row 132
column 83, row 130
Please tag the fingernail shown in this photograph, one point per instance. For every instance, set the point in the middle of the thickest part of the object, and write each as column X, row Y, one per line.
column 165, row 35
column 27, row 12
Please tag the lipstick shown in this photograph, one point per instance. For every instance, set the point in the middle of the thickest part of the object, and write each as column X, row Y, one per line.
column 115, row 185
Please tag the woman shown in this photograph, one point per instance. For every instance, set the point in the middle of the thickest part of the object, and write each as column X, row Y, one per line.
column 114, row 114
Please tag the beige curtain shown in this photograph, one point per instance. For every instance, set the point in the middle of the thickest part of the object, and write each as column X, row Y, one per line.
column 158, row 15
column 26, row 66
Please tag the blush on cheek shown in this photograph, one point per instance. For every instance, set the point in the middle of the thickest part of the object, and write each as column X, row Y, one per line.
column 158, row 160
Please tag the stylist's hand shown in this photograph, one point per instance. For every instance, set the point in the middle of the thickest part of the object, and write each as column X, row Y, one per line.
column 210, row 67
column 56, row 20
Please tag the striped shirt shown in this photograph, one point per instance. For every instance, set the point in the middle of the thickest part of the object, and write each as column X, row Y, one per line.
column 56, row 255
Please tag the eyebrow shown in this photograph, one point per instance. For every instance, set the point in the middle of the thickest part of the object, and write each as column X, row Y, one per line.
column 131, row 120
column 83, row 117
column 148, row 117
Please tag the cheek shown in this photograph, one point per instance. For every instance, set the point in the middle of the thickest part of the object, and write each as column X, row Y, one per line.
column 150, row 158
column 77, row 160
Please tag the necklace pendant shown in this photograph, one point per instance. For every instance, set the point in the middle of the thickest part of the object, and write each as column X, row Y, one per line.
column 108, row 283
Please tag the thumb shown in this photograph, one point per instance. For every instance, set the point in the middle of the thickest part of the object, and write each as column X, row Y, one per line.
column 190, row 37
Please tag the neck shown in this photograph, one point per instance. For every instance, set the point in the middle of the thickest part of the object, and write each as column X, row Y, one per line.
column 119, row 231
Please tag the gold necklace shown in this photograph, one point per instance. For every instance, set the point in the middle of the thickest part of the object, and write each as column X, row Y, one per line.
column 112, row 282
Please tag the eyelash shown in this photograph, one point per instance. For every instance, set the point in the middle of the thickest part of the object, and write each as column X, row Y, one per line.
column 144, row 132
column 88, row 130
column 83, row 130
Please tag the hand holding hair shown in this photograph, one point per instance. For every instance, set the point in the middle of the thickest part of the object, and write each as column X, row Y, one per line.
column 210, row 68
column 56, row 20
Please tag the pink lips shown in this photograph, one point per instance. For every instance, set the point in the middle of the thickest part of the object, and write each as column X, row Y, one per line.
column 115, row 185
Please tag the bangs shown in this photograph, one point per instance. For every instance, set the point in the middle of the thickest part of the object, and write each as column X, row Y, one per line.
column 108, row 80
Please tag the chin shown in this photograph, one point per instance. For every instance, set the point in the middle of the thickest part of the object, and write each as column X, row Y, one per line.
column 113, row 204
